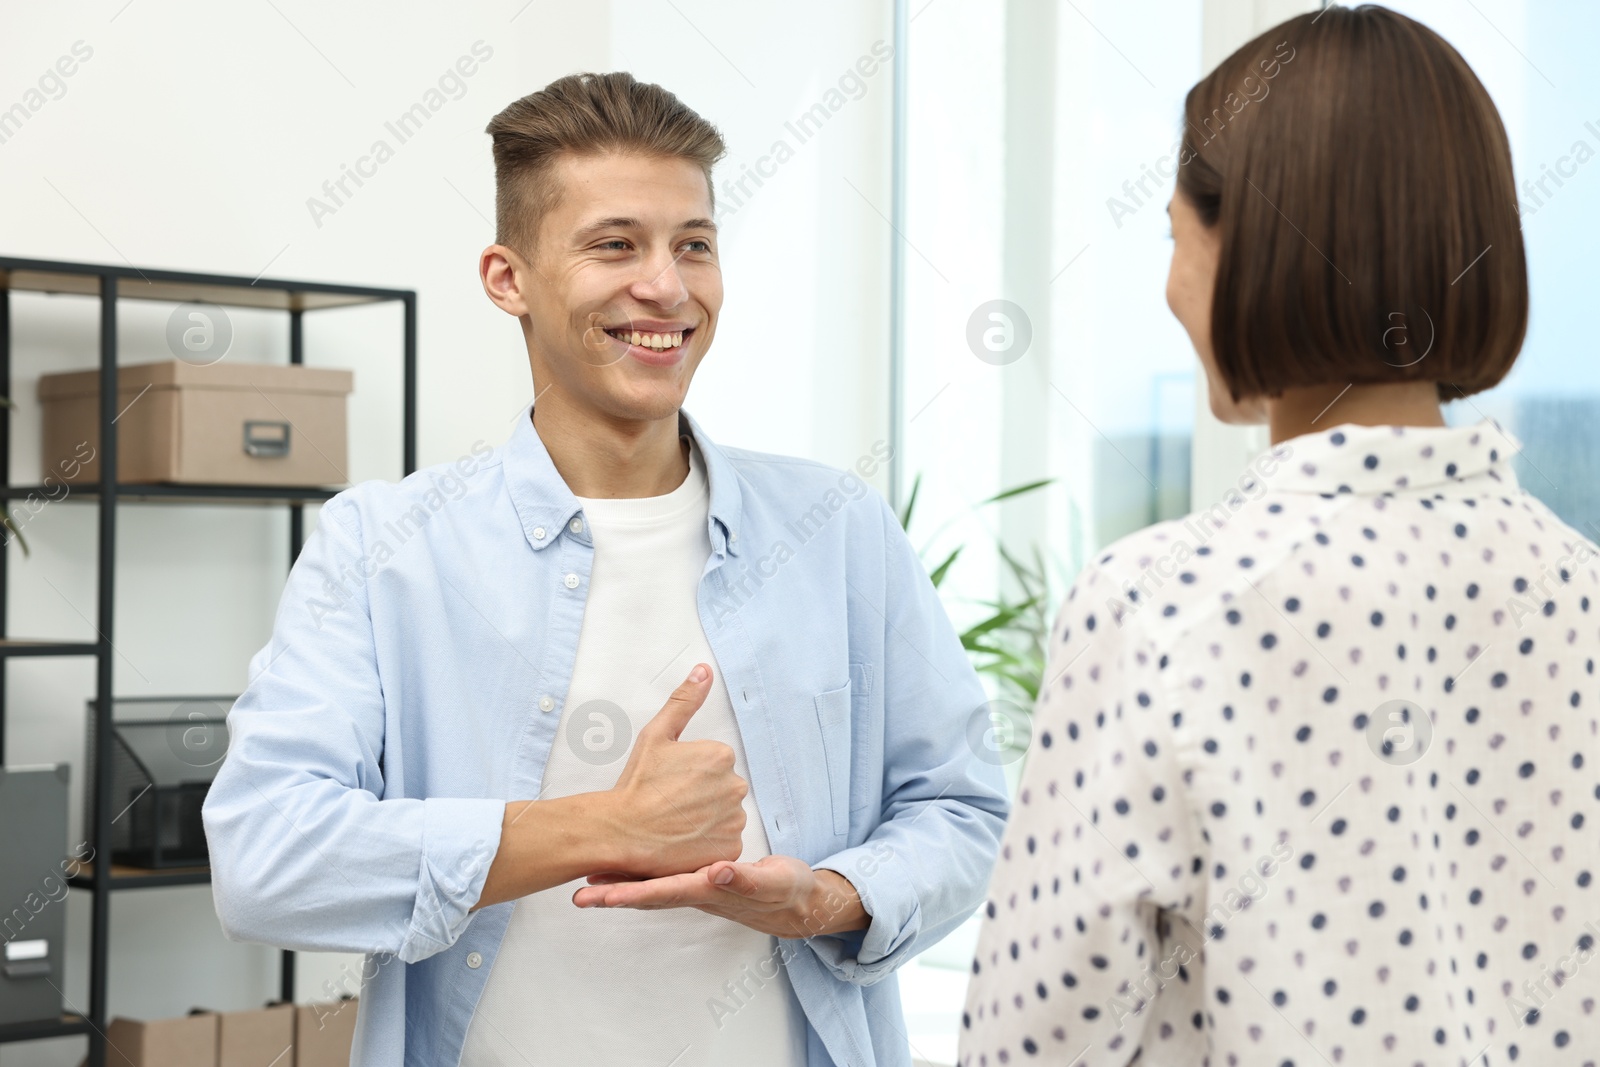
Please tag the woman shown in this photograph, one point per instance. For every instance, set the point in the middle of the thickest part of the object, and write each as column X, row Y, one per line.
column 1314, row 774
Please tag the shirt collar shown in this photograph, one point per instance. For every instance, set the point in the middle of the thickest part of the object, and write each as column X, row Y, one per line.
column 545, row 505
column 1386, row 459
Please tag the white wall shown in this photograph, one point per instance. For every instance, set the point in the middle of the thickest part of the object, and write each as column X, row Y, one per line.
column 192, row 138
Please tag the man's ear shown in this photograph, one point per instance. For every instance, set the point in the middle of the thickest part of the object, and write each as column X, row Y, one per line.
column 500, row 267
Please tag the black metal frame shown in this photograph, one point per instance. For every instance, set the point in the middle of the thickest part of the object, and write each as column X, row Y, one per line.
column 113, row 283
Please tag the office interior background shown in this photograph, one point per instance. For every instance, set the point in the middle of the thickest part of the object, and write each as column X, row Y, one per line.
column 968, row 265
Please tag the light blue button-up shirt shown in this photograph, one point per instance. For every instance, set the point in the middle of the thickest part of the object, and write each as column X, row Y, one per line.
column 413, row 685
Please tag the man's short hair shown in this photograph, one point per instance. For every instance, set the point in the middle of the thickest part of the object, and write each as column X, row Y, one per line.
column 1360, row 180
column 585, row 114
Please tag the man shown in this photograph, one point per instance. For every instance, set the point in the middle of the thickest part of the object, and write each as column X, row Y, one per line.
column 450, row 757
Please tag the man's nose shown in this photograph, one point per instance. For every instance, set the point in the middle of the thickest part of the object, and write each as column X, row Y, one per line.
column 660, row 283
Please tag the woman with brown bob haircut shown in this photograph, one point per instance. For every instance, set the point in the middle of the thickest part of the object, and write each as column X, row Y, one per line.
column 1313, row 774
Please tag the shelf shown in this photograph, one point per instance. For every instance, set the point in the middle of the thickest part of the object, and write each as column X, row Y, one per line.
column 181, row 494
column 66, row 1026
column 124, row 877
column 178, row 287
column 108, row 285
column 17, row 646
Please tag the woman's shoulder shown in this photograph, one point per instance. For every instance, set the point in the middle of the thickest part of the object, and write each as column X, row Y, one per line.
column 1173, row 565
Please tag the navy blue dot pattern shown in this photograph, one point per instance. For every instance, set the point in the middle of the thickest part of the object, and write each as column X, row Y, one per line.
column 1315, row 779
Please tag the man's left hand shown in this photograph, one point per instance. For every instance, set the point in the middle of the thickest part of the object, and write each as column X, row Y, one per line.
column 778, row 895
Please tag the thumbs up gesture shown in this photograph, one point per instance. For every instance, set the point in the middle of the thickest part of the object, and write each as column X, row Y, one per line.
column 686, row 821
column 682, row 799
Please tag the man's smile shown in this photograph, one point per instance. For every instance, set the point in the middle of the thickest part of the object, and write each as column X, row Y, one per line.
column 651, row 341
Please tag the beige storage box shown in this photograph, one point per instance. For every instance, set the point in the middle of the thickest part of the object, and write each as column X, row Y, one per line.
column 324, row 1033
column 189, row 1041
column 259, row 1038
column 223, row 424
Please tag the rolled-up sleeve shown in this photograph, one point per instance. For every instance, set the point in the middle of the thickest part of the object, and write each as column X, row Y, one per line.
column 924, row 869
column 304, row 852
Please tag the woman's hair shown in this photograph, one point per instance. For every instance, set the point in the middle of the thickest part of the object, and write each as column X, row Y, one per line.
column 585, row 114
column 1359, row 180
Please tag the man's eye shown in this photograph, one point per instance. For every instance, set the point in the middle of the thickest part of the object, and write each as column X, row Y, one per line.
column 616, row 244
column 698, row 245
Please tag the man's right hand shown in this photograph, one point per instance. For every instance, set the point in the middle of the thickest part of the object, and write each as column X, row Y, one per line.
column 680, row 801
column 676, row 807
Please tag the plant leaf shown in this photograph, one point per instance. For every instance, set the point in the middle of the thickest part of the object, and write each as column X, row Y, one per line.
column 911, row 502
column 1016, row 490
column 1000, row 618
column 944, row 568
column 9, row 523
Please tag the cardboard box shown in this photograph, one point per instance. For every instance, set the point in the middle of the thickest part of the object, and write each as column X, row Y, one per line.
column 260, row 1038
column 188, row 1041
column 324, row 1032
column 228, row 423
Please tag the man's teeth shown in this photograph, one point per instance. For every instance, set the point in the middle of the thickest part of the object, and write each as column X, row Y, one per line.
column 649, row 340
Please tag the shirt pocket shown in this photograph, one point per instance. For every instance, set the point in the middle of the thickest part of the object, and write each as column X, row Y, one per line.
column 833, row 718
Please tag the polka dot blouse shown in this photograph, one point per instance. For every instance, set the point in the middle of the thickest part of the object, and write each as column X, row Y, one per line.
column 1314, row 779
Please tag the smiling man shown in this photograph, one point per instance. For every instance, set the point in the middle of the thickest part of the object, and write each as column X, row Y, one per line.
column 638, row 750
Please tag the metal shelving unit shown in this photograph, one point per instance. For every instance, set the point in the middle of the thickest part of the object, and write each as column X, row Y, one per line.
column 112, row 284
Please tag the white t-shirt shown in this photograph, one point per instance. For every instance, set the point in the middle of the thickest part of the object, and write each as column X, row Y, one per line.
column 614, row 985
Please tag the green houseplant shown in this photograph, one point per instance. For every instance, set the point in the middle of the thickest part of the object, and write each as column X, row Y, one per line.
column 1008, row 643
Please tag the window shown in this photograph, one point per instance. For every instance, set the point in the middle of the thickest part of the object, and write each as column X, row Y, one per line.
column 1036, row 272
column 1038, row 340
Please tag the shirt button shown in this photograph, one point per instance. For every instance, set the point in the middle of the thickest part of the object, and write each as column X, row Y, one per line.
column 576, row 526
column 572, row 581
column 734, row 536
column 546, row 704
column 538, row 533
column 474, row 960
